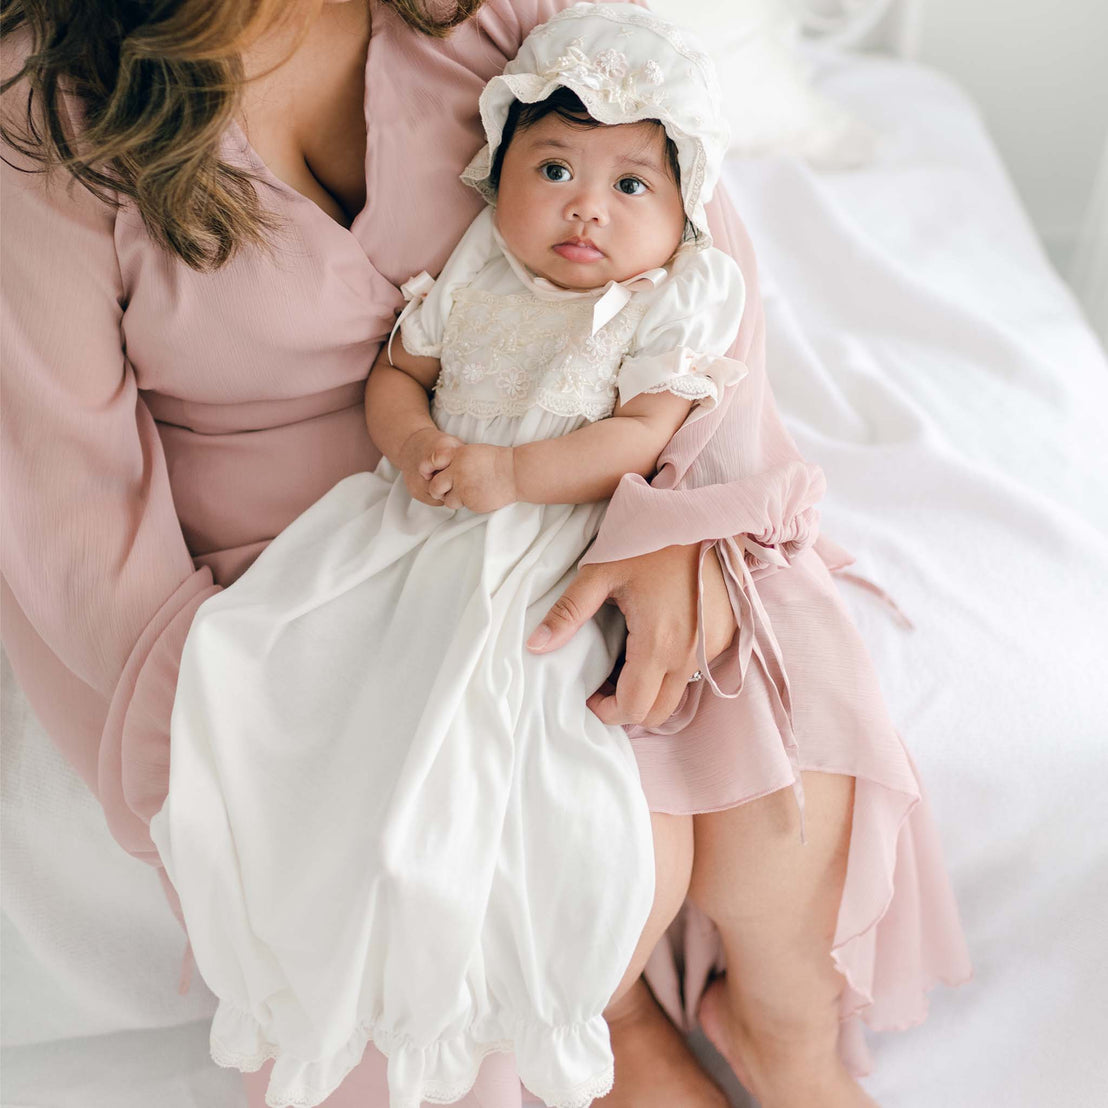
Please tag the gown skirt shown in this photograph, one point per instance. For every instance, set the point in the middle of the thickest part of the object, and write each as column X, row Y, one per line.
column 389, row 822
column 516, row 837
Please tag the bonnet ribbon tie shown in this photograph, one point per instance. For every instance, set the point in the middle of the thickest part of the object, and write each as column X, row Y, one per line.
column 617, row 295
column 612, row 297
column 414, row 290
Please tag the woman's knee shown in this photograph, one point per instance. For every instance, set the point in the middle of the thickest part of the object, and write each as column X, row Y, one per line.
column 673, row 860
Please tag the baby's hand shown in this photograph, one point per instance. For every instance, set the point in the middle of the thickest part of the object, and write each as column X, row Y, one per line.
column 423, row 454
column 480, row 478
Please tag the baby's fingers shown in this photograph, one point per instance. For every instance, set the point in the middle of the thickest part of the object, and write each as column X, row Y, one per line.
column 441, row 483
column 438, row 459
column 417, row 489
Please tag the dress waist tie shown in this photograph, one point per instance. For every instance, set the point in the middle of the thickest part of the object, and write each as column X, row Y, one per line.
column 754, row 640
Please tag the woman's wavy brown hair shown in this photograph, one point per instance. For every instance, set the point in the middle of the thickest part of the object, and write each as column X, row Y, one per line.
column 158, row 82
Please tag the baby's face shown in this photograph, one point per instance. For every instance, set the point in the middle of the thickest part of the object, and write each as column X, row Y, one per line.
column 581, row 207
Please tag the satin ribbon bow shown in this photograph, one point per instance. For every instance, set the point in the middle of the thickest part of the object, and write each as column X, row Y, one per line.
column 414, row 290
column 612, row 298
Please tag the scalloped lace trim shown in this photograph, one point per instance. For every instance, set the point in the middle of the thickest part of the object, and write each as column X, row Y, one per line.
column 546, row 399
column 580, row 1096
column 688, row 386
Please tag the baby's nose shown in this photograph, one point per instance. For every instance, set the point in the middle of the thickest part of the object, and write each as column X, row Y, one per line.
column 587, row 206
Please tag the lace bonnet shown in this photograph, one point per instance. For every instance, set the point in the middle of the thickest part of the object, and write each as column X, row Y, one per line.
column 626, row 65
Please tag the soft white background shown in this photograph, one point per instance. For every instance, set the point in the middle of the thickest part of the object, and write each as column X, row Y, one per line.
column 1039, row 73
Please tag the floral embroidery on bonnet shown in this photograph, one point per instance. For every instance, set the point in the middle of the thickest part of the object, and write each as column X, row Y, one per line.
column 626, row 65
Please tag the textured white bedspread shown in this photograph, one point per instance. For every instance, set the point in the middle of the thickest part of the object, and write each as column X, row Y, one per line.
column 928, row 358
column 925, row 355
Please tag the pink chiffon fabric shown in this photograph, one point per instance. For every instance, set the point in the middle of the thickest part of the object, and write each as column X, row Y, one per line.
column 160, row 426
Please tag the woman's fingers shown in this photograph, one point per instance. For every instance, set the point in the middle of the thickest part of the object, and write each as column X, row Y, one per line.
column 579, row 603
column 636, row 692
column 669, row 696
column 645, row 694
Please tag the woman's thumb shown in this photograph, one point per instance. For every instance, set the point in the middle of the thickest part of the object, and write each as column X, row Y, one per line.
column 580, row 602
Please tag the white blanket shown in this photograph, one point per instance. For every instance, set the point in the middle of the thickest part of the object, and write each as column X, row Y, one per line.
column 927, row 356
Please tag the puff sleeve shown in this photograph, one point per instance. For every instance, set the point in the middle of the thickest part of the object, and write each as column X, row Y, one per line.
column 690, row 323
column 423, row 321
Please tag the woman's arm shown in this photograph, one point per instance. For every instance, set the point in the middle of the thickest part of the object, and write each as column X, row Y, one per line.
column 728, row 480
column 99, row 585
column 583, row 466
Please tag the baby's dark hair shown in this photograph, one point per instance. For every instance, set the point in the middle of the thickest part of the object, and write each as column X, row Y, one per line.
column 567, row 105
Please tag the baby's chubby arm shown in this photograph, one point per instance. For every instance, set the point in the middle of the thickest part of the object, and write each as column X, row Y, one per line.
column 398, row 416
column 581, row 467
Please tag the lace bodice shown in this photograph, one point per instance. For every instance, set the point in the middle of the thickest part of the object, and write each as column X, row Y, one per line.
column 504, row 354
column 508, row 343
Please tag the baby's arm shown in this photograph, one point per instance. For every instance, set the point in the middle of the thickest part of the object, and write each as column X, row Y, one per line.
column 398, row 416
column 583, row 466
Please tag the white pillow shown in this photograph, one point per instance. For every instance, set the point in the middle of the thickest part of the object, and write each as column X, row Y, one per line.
column 768, row 100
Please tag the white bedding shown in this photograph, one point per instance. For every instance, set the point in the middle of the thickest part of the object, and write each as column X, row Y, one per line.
column 924, row 353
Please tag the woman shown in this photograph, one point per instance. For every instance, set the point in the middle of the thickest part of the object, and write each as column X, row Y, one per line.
column 184, row 376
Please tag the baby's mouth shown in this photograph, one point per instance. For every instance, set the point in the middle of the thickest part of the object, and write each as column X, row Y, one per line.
column 578, row 250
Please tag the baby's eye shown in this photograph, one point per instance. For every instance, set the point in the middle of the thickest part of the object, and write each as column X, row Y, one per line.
column 552, row 171
column 631, row 186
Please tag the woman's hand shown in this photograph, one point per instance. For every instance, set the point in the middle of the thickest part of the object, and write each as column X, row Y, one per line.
column 657, row 595
column 424, row 453
column 478, row 477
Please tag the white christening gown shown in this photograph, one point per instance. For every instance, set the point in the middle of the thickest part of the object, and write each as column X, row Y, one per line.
column 387, row 821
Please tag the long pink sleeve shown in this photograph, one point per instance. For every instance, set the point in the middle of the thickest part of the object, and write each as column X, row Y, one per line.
column 734, row 471
column 99, row 588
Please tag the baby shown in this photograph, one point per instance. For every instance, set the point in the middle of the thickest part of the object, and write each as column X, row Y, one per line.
column 387, row 820
column 580, row 207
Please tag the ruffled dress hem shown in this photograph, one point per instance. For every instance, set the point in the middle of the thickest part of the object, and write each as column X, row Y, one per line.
column 889, row 949
column 441, row 1073
column 885, row 897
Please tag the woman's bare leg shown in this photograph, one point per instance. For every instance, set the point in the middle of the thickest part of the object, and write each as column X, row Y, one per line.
column 775, row 1014
column 654, row 1066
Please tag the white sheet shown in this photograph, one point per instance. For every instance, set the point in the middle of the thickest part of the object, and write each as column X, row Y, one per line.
column 925, row 354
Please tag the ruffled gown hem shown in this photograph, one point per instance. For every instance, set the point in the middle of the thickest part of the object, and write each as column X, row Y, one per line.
column 295, row 1088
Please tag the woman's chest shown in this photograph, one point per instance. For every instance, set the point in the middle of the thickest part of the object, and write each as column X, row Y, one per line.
column 299, row 317
column 306, row 314
column 305, row 117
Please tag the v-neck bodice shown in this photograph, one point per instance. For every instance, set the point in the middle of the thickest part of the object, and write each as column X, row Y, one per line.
column 253, row 368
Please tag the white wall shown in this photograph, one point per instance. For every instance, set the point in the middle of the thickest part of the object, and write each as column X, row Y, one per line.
column 1039, row 71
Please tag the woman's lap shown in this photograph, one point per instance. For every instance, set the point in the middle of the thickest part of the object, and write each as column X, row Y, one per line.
column 732, row 753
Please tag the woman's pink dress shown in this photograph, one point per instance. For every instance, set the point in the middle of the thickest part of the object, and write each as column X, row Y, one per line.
column 160, row 426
